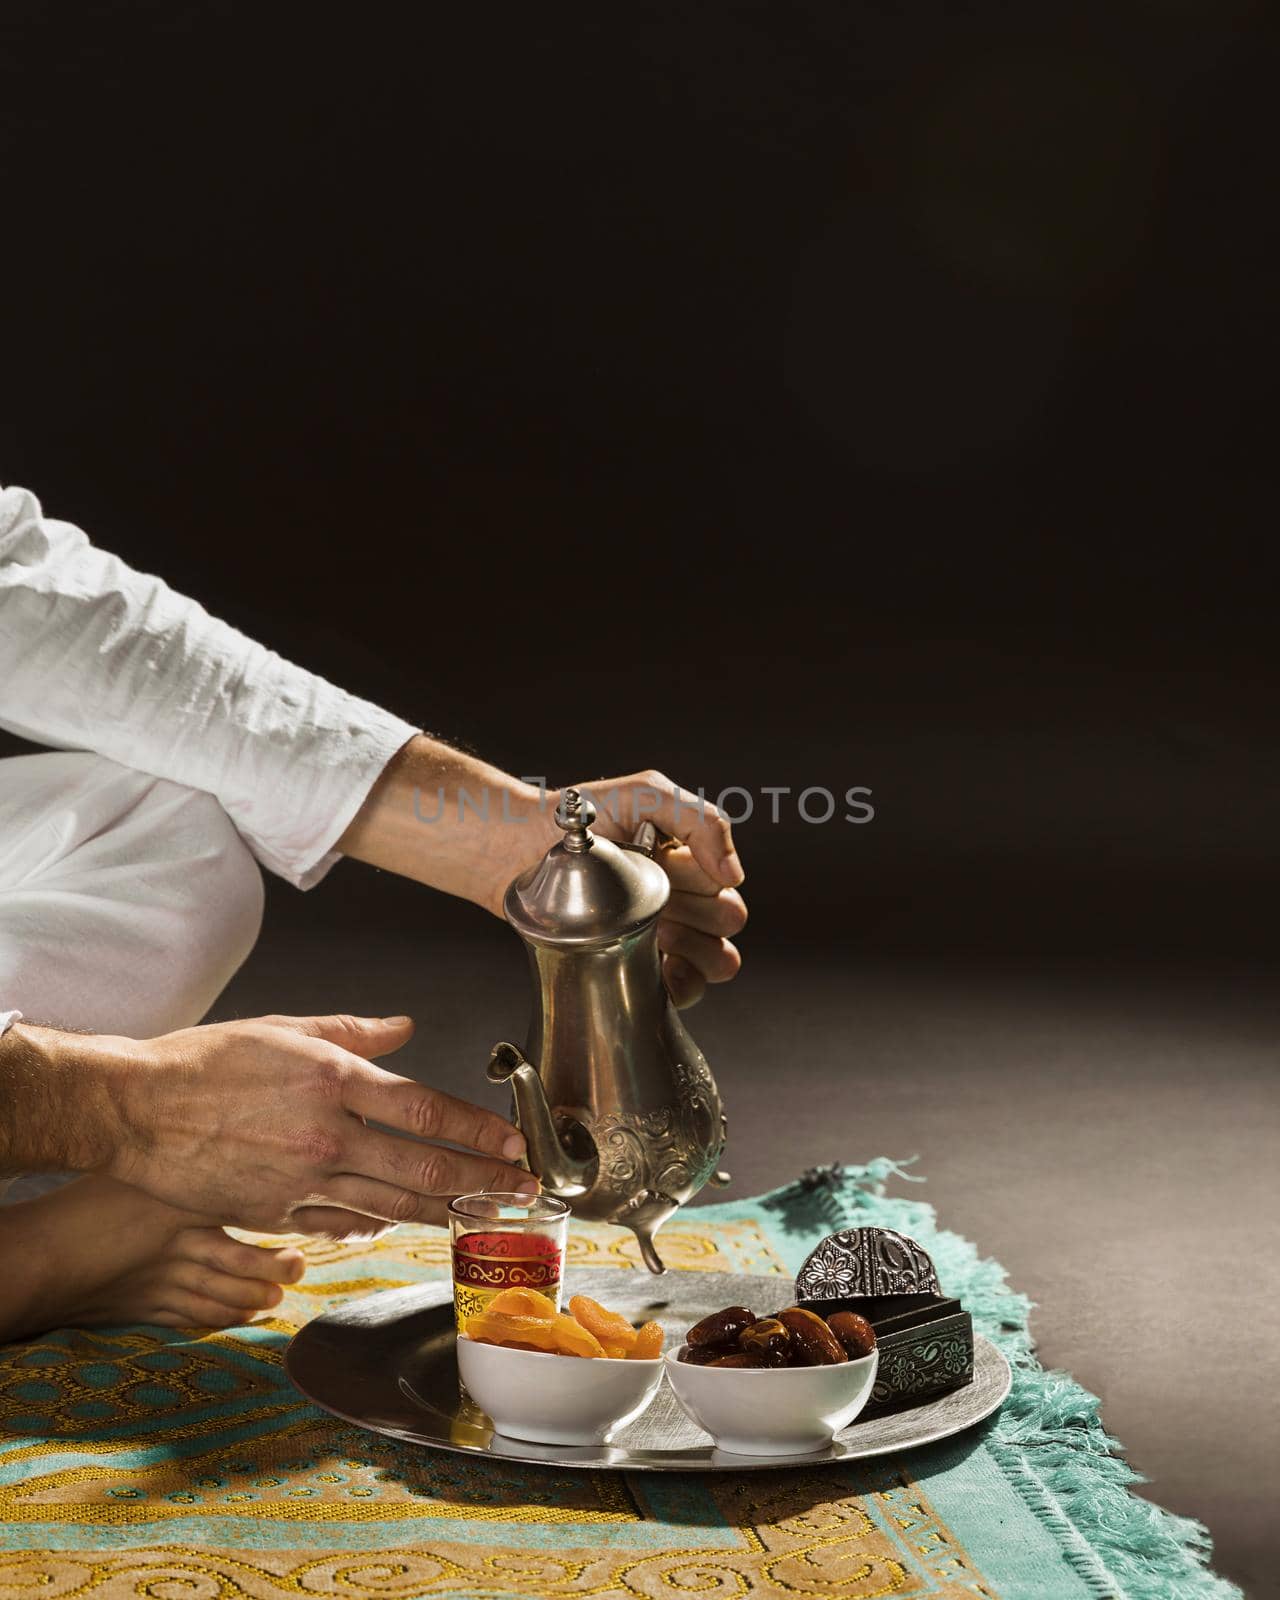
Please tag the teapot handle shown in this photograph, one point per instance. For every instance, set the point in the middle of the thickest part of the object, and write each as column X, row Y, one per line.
column 648, row 839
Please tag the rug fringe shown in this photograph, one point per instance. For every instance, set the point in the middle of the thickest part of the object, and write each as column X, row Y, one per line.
column 1048, row 1438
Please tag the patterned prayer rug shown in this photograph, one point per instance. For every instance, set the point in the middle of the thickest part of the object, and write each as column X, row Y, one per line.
column 144, row 1462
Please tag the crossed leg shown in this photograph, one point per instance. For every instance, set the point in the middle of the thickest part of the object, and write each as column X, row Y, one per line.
column 126, row 904
column 97, row 1252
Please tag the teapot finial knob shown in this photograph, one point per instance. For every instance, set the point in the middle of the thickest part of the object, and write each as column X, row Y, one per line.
column 575, row 814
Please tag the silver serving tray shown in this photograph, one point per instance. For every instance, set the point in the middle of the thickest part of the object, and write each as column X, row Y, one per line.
column 387, row 1363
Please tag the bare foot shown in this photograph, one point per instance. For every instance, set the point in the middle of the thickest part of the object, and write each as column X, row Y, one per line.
column 98, row 1251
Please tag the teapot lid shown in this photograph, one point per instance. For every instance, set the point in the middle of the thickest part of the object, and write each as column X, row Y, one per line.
column 586, row 890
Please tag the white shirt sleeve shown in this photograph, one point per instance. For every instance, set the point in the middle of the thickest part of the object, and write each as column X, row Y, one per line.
column 95, row 656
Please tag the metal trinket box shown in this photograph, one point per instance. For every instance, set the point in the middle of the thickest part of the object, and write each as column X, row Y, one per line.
column 925, row 1337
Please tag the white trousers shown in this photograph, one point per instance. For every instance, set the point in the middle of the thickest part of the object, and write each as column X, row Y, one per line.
column 126, row 901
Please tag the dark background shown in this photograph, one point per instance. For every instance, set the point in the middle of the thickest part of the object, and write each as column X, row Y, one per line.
column 825, row 394
column 817, row 395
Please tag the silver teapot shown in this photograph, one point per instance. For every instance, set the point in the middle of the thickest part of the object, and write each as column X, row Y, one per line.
column 616, row 1102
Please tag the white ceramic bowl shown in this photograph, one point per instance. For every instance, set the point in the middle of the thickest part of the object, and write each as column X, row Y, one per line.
column 532, row 1394
column 763, row 1411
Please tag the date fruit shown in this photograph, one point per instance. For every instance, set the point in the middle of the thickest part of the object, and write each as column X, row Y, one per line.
column 796, row 1337
column 702, row 1355
column 769, row 1339
column 721, row 1328
column 854, row 1332
column 812, row 1340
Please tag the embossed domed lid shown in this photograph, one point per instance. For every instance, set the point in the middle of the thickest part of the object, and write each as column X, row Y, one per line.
column 586, row 890
column 866, row 1261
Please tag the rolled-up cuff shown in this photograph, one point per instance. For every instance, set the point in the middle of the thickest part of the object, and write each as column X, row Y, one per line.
column 322, row 792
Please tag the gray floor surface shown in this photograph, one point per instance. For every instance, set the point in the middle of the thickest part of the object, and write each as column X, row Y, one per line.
column 1109, row 1134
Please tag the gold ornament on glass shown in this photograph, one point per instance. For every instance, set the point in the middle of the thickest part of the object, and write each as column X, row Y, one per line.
column 505, row 1241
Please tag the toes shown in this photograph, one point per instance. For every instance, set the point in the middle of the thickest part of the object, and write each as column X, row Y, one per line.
column 225, row 1289
column 197, row 1311
column 211, row 1247
column 288, row 1264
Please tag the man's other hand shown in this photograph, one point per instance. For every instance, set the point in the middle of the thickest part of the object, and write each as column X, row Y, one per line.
column 263, row 1124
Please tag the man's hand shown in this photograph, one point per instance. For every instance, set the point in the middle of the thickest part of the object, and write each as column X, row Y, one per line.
column 448, row 820
column 262, row 1124
column 705, row 909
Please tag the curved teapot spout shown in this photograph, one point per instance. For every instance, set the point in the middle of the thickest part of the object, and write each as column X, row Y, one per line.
column 648, row 1250
column 562, row 1174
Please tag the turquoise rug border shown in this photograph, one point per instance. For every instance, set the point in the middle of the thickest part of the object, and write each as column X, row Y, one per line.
column 1048, row 1439
column 1047, row 1443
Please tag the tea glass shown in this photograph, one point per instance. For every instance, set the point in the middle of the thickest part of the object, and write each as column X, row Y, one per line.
column 505, row 1241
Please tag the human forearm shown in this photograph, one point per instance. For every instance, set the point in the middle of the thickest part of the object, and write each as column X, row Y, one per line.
column 263, row 1124
column 456, row 823
column 449, row 820
column 59, row 1101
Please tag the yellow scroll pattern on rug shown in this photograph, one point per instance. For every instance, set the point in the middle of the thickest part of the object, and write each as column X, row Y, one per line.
column 110, row 1441
column 793, row 1534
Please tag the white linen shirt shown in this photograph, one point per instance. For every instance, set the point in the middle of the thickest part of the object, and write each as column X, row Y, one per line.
column 95, row 656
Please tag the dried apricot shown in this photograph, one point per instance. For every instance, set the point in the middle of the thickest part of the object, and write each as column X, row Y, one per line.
column 522, row 1303
column 608, row 1326
column 648, row 1345
column 572, row 1339
column 560, row 1335
column 522, row 1319
column 495, row 1328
